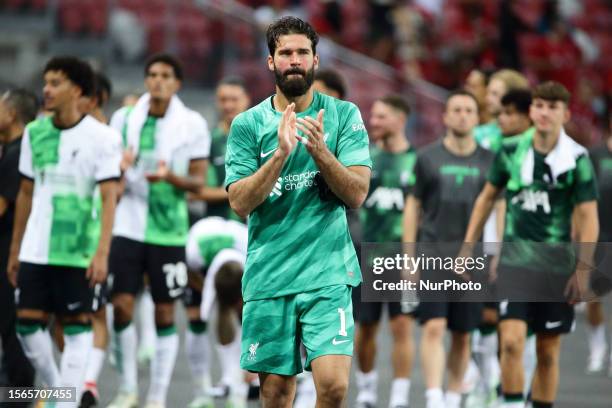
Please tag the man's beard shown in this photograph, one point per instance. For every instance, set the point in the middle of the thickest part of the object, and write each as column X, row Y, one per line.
column 460, row 134
column 294, row 87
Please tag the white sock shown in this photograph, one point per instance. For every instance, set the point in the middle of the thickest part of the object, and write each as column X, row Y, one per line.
column 367, row 384
column 452, row 399
column 197, row 347
column 472, row 376
column 38, row 348
column 229, row 356
column 490, row 365
column 125, row 356
column 77, row 348
column 146, row 318
column 529, row 362
column 516, row 404
column 239, row 391
column 306, row 394
column 110, row 316
column 435, row 398
column 400, row 391
column 306, row 384
column 162, row 366
column 597, row 339
column 94, row 365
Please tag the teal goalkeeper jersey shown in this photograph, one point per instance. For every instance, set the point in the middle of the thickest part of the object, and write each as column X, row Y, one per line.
column 297, row 241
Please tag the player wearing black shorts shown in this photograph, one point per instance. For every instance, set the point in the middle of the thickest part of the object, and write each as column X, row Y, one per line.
column 18, row 107
column 449, row 174
column 542, row 193
column 170, row 146
column 393, row 161
column 62, row 252
column 601, row 156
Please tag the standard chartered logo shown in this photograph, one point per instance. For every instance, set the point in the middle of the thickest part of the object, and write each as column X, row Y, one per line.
column 291, row 182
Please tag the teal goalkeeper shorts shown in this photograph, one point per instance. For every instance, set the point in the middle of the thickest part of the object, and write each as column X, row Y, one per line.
column 273, row 329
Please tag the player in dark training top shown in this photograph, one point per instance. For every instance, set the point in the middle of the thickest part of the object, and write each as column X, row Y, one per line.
column 601, row 156
column 448, row 176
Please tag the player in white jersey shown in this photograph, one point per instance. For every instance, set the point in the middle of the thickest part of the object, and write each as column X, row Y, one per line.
column 170, row 144
column 61, row 253
column 216, row 250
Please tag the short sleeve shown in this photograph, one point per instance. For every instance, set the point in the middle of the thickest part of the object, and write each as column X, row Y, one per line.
column 9, row 183
column 25, row 157
column 353, row 142
column 241, row 155
column 418, row 183
column 586, row 183
column 498, row 172
column 200, row 147
column 109, row 158
column 408, row 185
column 117, row 122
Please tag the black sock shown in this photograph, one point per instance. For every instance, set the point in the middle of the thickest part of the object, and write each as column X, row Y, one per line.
column 540, row 404
column 513, row 397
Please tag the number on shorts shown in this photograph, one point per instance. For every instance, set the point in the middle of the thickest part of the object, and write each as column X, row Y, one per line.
column 176, row 274
column 342, row 331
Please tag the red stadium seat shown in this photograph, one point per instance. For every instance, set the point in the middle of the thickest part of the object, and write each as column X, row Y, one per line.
column 38, row 5
column 98, row 18
column 71, row 16
column 14, row 4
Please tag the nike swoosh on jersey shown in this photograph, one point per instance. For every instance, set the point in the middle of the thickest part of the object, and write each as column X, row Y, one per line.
column 336, row 342
column 266, row 154
column 553, row 325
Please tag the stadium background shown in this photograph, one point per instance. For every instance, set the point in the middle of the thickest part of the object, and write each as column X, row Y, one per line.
column 420, row 48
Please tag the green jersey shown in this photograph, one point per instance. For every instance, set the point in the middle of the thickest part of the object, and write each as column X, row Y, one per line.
column 489, row 136
column 541, row 192
column 297, row 241
column 392, row 174
column 216, row 173
column 156, row 213
column 66, row 165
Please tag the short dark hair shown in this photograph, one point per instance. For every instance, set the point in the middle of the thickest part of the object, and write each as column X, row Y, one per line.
column 290, row 25
column 551, row 91
column 228, row 283
column 461, row 92
column 168, row 60
column 397, row 102
column 333, row 80
column 233, row 80
column 519, row 98
column 102, row 85
column 25, row 104
column 77, row 71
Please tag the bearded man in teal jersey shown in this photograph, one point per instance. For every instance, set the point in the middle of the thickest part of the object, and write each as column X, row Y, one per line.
column 293, row 163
